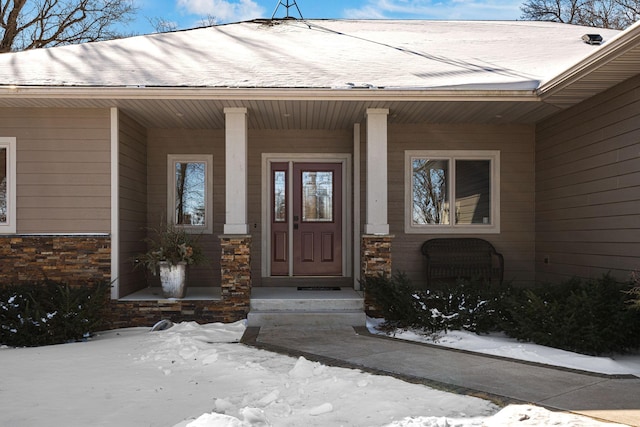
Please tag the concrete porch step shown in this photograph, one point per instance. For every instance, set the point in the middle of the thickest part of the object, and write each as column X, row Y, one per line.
column 290, row 306
column 332, row 318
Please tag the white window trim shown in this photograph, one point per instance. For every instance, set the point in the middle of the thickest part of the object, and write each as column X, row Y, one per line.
column 494, row 158
column 10, row 226
column 207, row 159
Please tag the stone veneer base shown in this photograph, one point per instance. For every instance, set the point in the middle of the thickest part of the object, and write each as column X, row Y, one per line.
column 85, row 260
column 376, row 261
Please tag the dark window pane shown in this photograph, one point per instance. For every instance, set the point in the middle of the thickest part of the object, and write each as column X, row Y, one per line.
column 473, row 192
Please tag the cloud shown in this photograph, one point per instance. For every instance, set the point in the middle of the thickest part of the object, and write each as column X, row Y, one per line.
column 222, row 10
column 436, row 9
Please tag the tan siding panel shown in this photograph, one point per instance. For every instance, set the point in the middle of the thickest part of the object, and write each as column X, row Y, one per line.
column 516, row 145
column 80, row 212
column 132, row 211
column 76, row 193
column 68, row 167
column 71, row 179
column 588, row 187
column 63, row 169
column 63, row 202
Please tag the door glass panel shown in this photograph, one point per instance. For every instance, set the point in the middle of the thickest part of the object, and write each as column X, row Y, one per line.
column 3, row 185
column 190, row 193
column 317, row 196
column 429, row 191
column 280, row 196
column 473, row 192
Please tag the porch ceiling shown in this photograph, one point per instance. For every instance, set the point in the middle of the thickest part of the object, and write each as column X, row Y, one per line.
column 302, row 114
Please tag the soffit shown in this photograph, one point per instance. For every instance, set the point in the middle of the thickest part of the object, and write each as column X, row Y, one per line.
column 300, row 114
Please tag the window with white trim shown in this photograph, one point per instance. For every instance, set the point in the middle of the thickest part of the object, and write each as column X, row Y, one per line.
column 189, row 195
column 7, row 185
column 452, row 191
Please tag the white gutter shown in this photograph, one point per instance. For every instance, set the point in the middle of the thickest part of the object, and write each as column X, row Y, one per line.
column 263, row 94
column 617, row 46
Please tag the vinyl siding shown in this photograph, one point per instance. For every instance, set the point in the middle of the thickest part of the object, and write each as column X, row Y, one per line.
column 132, row 152
column 162, row 142
column 516, row 145
column 63, row 169
column 588, row 187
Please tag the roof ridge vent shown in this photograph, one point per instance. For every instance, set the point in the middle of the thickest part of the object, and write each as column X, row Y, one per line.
column 592, row 38
column 287, row 4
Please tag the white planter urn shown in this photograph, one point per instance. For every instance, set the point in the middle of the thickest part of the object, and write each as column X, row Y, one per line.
column 173, row 278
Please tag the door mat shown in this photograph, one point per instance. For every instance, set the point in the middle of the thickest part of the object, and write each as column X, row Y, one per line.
column 318, row 288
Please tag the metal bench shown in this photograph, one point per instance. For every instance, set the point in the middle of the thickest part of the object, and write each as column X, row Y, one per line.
column 448, row 259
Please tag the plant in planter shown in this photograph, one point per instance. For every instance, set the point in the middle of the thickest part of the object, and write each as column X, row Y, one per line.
column 170, row 250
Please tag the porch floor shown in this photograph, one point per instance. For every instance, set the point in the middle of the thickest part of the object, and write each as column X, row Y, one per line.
column 193, row 294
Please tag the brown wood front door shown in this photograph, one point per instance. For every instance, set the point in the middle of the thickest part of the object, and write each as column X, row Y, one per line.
column 306, row 225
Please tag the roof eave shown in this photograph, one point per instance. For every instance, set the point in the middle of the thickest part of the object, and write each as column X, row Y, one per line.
column 265, row 94
column 611, row 50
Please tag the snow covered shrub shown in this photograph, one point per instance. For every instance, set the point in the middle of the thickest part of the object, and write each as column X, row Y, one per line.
column 590, row 317
column 468, row 305
column 472, row 305
column 49, row 313
column 395, row 296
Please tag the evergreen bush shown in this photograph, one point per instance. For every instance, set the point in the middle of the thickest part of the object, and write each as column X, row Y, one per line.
column 592, row 317
column 468, row 305
column 50, row 313
column 397, row 300
column 585, row 316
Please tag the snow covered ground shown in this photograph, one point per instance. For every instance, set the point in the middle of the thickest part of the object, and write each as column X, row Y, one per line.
column 501, row 345
column 199, row 376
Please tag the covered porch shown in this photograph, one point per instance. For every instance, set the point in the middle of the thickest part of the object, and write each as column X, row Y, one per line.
column 244, row 238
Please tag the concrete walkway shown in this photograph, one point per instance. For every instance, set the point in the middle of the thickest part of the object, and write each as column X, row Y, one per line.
column 604, row 397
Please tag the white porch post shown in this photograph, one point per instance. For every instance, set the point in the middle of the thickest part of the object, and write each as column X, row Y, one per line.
column 236, row 171
column 377, row 222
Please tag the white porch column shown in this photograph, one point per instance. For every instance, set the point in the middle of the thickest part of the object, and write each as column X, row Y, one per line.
column 236, row 171
column 377, row 221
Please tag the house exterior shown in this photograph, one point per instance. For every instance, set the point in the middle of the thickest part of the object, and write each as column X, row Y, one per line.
column 319, row 152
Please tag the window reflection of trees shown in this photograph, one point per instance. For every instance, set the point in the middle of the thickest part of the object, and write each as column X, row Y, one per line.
column 318, row 196
column 279, row 195
column 430, row 204
column 190, row 193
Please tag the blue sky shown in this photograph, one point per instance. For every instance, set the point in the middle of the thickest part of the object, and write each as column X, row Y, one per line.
column 190, row 13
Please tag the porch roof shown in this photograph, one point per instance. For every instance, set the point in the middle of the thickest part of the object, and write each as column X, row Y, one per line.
column 284, row 71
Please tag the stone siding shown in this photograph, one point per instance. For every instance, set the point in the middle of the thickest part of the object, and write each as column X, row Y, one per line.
column 235, row 265
column 376, row 261
column 376, row 255
column 78, row 260
column 83, row 260
column 147, row 313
